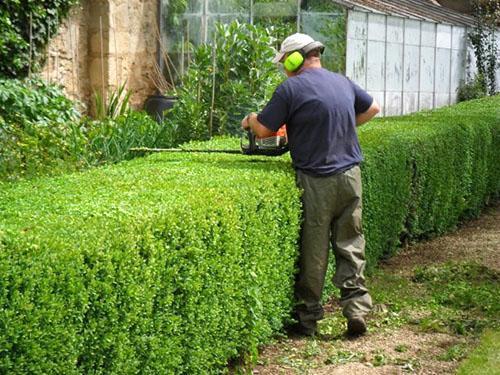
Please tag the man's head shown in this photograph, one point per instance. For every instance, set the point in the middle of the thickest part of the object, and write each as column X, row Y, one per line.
column 296, row 49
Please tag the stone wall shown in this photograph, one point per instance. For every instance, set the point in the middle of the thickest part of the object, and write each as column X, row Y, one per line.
column 103, row 44
column 67, row 62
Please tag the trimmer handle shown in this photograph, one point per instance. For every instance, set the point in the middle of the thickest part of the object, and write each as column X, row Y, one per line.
column 251, row 148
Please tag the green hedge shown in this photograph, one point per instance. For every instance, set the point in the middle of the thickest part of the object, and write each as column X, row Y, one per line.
column 170, row 264
column 424, row 172
column 176, row 263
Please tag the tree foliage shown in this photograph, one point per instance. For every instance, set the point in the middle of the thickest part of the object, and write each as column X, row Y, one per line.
column 16, row 19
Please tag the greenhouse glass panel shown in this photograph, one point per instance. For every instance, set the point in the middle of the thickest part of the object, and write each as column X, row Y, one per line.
column 235, row 7
column 320, row 6
column 280, row 15
column 186, row 24
column 331, row 31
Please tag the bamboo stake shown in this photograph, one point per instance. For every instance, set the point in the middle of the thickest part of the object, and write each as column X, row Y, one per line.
column 116, row 53
column 188, row 44
column 182, row 56
column 48, row 52
column 298, row 15
column 57, row 66
column 210, row 124
column 72, row 49
column 165, row 56
column 77, row 55
column 102, row 57
column 31, row 46
column 161, row 84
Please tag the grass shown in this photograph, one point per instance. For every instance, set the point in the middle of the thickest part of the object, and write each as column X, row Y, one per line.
column 485, row 359
column 457, row 298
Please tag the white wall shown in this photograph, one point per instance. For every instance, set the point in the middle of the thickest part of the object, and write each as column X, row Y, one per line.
column 406, row 65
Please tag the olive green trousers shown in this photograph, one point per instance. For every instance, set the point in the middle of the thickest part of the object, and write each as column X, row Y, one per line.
column 332, row 209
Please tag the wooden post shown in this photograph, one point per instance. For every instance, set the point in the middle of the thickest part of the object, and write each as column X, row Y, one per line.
column 102, row 58
column 31, row 46
column 48, row 52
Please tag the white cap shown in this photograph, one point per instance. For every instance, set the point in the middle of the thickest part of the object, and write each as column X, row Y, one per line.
column 293, row 43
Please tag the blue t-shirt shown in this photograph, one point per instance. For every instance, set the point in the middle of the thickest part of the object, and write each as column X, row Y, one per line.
column 319, row 109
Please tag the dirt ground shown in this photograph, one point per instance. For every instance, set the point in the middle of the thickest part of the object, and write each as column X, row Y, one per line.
column 398, row 348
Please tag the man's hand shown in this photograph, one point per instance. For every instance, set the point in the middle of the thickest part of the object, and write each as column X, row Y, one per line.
column 245, row 123
column 250, row 122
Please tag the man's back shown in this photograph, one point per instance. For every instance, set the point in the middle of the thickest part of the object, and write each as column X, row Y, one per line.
column 319, row 108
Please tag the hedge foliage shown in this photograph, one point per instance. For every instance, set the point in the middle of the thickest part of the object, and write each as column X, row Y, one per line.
column 424, row 172
column 176, row 263
column 170, row 264
column 15, row 16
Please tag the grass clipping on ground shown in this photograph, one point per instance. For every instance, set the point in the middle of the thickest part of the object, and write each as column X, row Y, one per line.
column 433, row 301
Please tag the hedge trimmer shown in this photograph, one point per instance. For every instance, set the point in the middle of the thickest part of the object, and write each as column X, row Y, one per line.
column 250, row 144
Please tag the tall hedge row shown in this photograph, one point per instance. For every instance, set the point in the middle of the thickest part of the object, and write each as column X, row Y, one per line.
column 170, row 264
column 176, row 263
column 424, row 172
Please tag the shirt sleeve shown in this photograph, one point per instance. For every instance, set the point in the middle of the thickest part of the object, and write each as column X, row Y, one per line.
column 362, row 100
column 275, row 113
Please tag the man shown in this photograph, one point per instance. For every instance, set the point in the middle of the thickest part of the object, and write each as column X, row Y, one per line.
column 321, row 110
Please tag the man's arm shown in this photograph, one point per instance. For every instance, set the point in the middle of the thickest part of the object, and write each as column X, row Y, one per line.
column 366, row 116
column 250, row 122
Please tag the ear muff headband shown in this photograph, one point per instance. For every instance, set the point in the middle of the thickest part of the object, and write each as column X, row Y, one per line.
column 296, row 59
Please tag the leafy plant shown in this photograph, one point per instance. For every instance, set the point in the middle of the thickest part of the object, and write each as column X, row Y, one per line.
column 115, row 104
column 474, row 89
column 37, row 135
column 110, row 139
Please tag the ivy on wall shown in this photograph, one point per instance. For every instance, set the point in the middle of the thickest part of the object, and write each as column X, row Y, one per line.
column 484, row 42
column 17, row 18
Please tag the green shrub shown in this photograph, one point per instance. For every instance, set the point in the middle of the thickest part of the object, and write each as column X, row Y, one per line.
column 424, row 172
column 474, row 89
column 176, row 263
column 244, row 79
column 169, row 264
column 37, row 135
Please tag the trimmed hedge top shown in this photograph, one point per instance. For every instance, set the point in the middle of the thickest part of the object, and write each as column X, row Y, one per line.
column 175, row 263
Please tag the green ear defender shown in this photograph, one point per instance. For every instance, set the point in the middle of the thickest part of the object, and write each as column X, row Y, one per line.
column 294, row 61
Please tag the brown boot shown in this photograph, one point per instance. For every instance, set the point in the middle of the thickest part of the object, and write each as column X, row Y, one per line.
column 356, row 326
